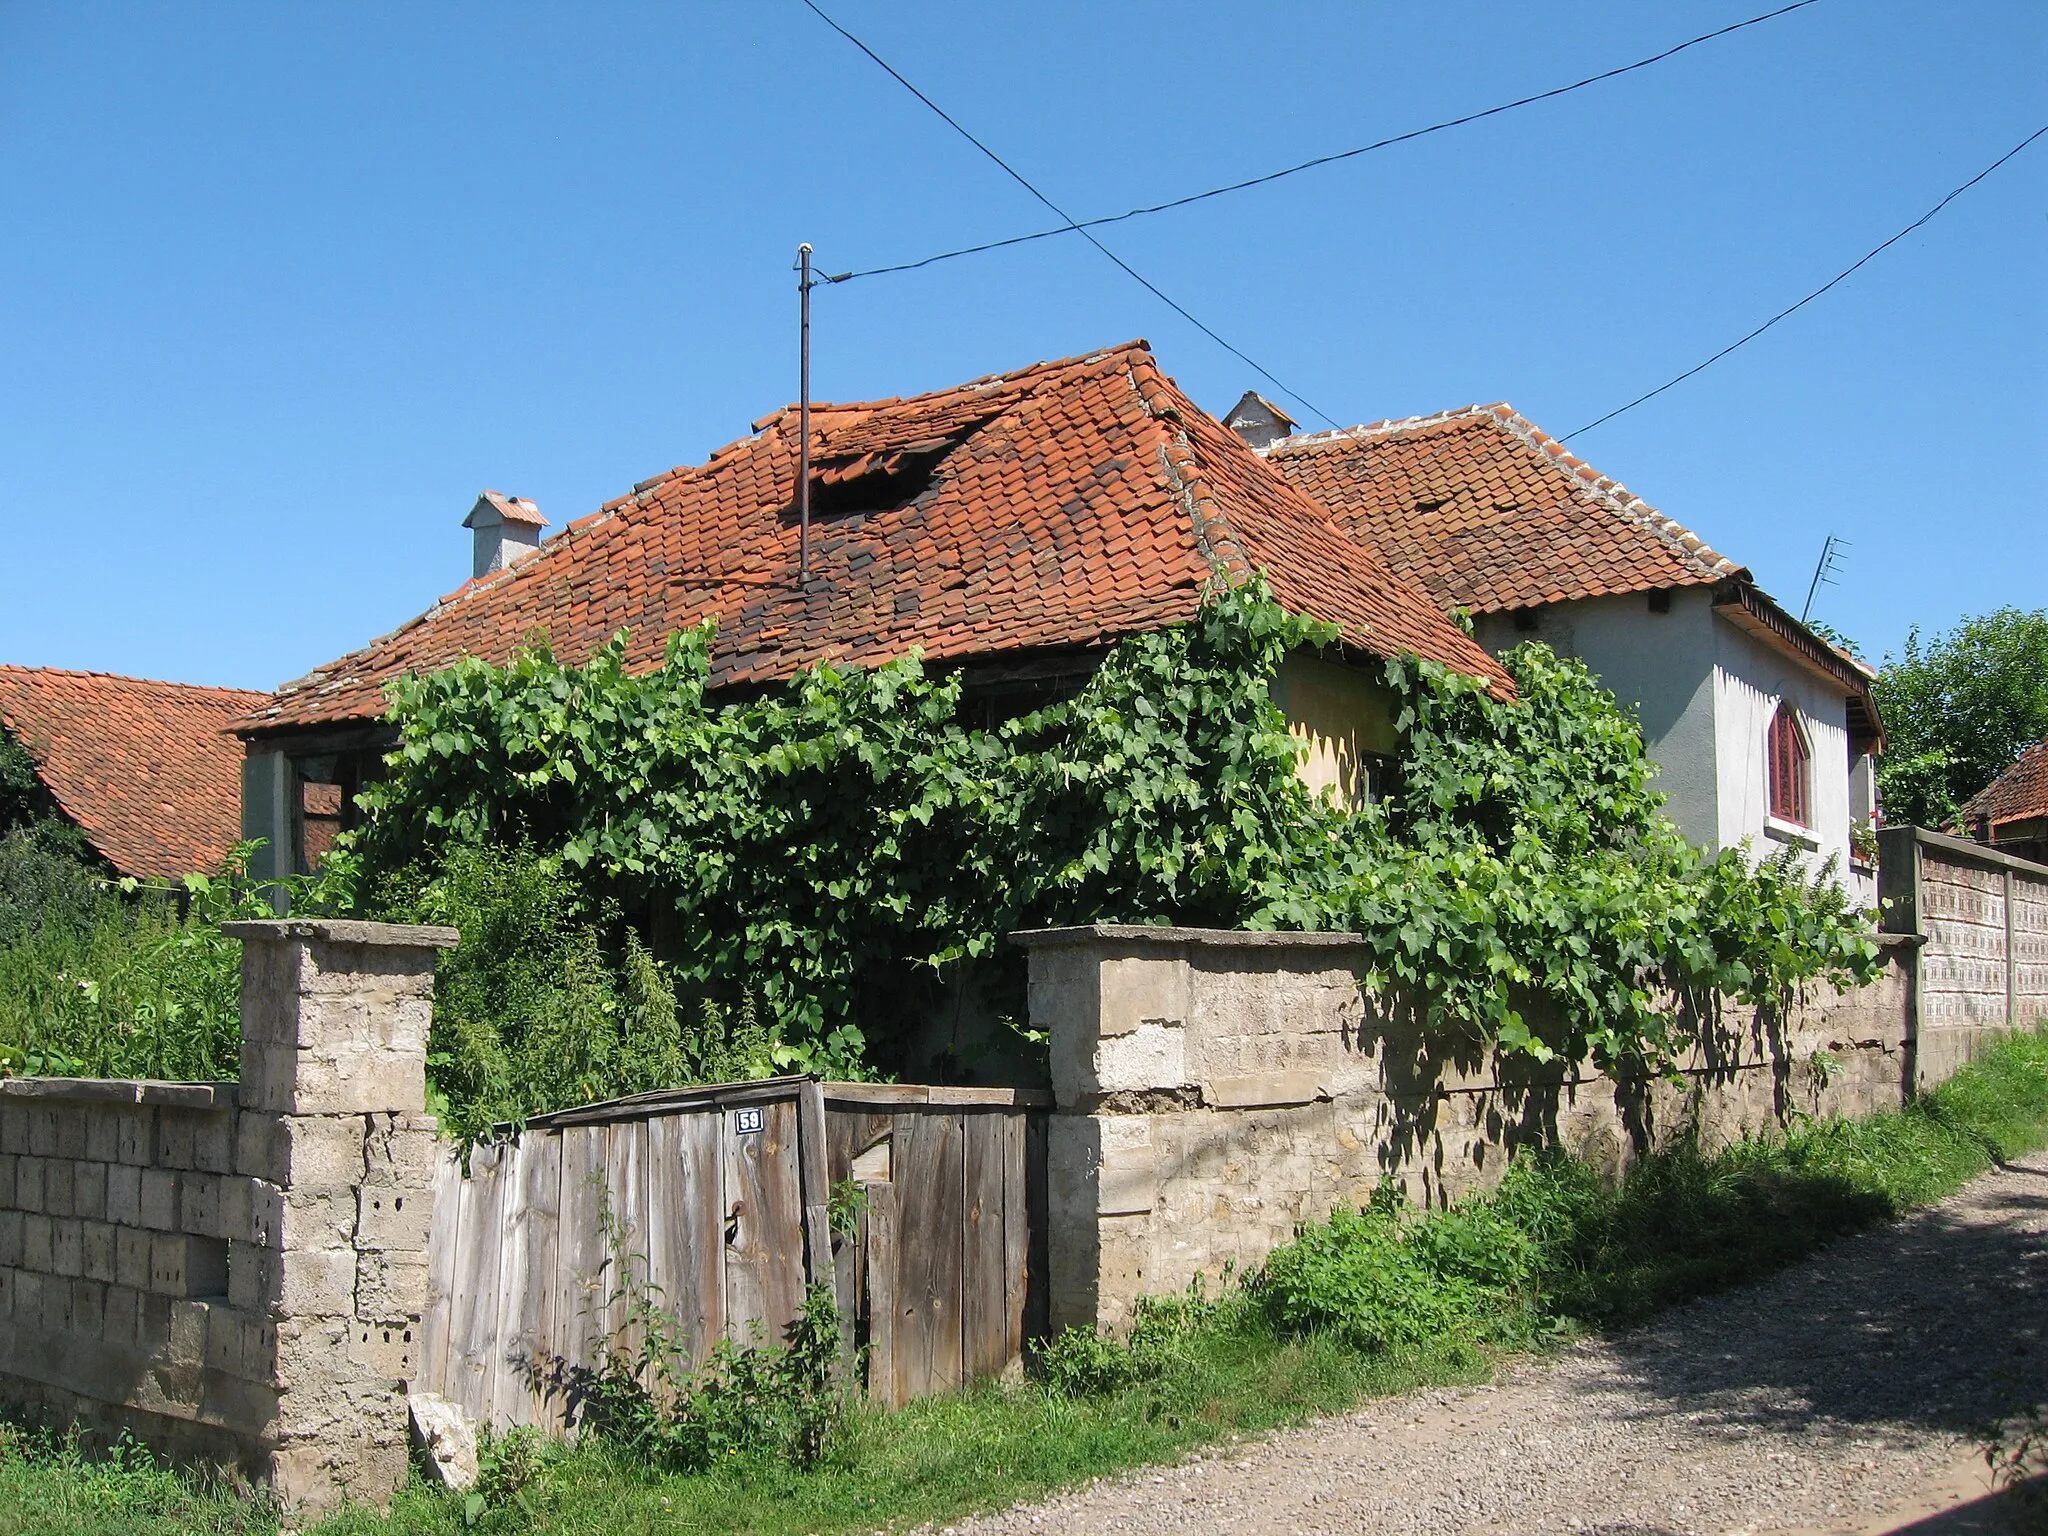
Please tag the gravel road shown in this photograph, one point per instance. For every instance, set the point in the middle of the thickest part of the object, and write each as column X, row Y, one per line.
column 1844, row 1395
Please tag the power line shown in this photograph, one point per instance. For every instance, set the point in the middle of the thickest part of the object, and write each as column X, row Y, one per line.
column 1082, row 226
column 1017, row 176
column 1823, row 288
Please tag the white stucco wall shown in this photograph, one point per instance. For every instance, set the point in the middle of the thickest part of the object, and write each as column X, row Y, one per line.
column 1661, row 665
column 1750, row 680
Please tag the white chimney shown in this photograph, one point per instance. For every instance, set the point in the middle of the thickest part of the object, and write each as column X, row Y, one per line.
column 1258, row 420
column 507, row 530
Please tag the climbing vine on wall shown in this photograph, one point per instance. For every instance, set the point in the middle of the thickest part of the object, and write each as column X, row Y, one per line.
column 818, row 843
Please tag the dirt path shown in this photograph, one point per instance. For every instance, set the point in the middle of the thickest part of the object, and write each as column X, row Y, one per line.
column 1842, row 1397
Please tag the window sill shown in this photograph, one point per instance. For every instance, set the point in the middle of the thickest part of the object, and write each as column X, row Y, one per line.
column 1791, row 832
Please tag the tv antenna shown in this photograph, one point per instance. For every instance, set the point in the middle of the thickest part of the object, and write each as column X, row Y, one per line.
column 1824, row 572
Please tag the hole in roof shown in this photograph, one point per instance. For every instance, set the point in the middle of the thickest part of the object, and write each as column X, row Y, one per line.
column 880, row 466
column 877, row 482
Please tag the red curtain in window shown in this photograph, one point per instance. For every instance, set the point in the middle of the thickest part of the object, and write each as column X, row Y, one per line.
column 1788, row 767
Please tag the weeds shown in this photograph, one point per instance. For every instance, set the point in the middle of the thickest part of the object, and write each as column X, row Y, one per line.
column 120, row 980
column 743, row 1401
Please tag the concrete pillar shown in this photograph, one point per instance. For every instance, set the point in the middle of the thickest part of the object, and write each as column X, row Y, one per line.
column 1116, row 1003
column 339, row 1150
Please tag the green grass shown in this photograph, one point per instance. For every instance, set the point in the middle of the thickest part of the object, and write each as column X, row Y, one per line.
column 1552, row 1252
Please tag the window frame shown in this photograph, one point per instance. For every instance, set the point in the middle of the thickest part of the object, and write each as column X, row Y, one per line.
column 1788, row 767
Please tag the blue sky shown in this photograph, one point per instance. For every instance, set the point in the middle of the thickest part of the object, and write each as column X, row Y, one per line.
column 283, row 286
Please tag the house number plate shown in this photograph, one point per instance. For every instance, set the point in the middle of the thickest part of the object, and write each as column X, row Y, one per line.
column 748, row 1122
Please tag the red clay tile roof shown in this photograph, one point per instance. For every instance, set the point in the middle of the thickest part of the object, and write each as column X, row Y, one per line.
column 2018, row 794
column 1063, row 505
column 1490, row 513
column 147, row 770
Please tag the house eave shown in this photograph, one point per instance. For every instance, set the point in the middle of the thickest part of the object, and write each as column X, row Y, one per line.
column 1753, row 611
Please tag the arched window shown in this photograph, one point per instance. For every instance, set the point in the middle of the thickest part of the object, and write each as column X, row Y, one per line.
column 1790, row 758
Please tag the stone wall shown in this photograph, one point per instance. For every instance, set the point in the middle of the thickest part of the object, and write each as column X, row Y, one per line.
column 236, row 1274
column 1216, row 1089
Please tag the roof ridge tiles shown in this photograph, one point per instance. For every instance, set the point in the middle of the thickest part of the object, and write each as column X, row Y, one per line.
column 94, row 673
column 1705, row 563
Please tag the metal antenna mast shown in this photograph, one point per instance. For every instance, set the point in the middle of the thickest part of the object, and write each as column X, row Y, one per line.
column 1824, row 572
column 803, row 414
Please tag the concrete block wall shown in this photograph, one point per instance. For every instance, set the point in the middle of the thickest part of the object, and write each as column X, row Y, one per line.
column 1217, row 1089
column 236, row 1273
column 1979, row 920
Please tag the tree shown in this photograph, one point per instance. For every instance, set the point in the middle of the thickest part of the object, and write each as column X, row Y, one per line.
column 1958, row 709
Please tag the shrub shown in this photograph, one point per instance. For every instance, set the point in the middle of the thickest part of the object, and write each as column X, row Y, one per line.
column 546, row 1003
column 1364, row 1277
column 47, row 881
column 131, row 987
column 743, row 1401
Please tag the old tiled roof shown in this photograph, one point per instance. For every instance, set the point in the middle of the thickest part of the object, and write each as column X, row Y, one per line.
column 147, row 770
column 2018, row 794
column 1061, row 506
column 1490, row 513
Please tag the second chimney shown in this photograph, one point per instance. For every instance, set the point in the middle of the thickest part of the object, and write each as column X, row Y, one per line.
column 507, row 530
column 1258, row 420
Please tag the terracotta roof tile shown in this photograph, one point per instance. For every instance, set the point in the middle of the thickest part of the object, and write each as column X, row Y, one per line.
column 147, row 770
column 1066, row 504
column 2018, row 794
column 1490, row 513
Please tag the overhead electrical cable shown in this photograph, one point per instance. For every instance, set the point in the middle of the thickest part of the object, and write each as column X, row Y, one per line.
column 1017, row 176
column 1823, row 288
column 1082, row 226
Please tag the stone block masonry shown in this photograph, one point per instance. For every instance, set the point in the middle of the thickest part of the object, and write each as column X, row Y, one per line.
column 236, row 1273
column 1217, row 1089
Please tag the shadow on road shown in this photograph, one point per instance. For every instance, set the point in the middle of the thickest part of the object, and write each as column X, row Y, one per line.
column 1939, row 1321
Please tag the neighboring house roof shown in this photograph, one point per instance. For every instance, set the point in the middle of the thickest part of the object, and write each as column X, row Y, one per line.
column 2018, row 794
column 1490, row 513
column 1058, row 507
column 146, row 770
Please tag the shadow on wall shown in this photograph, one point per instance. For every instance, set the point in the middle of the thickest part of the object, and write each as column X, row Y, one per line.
column 1455, row 1105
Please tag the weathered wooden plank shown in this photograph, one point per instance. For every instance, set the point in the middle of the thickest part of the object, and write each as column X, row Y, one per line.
column 896, row 1094
column 984, row 1293
column 850, row 1132
column 880, row 1272
column 763, row 1223
column 663, row 1101
column 626, row 1200
column 814, row 1184
column 525, row 1279
column 474, row 1331
column 1037, row 1300
column 1015, row 1136
column 929, row 1174
column 509, row 1386
column 441, row 1241
column 696, row 1207
column 884, row 1095
column 582, row 1278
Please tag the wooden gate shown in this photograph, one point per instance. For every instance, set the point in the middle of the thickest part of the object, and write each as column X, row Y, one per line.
column 718, row 1198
